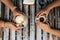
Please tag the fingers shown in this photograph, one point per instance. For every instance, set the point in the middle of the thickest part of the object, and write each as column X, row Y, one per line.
column 38, row 14
column 19, row 14
column 15, row 28
column 42, row 25
column 41, row 12
column 22, row 13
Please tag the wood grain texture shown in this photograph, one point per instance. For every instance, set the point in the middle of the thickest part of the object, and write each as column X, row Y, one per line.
column 31, row 31
column 38, row 33
column 6, row 30
column 25, row 29
column 32, row 22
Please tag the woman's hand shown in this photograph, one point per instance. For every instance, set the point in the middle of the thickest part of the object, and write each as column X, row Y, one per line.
column 43, row 11
column 11, row 25
column 18, row 13
column 43, row 26
column 46, row 26
column 40, row 24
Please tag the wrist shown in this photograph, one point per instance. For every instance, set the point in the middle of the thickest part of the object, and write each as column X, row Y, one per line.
column 48, row 8
column 13, row 9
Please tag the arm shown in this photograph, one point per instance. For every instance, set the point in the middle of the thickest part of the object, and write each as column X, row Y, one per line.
column 48, row 8
column 53, row 5
column 9, row 4
column 13, row 8
column 9, row 25
column 47, row 28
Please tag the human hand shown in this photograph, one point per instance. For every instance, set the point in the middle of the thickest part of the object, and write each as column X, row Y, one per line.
column 19, row 17
column 43, row 11
column 45, row 26
column 16, row 13
column 12, row 26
